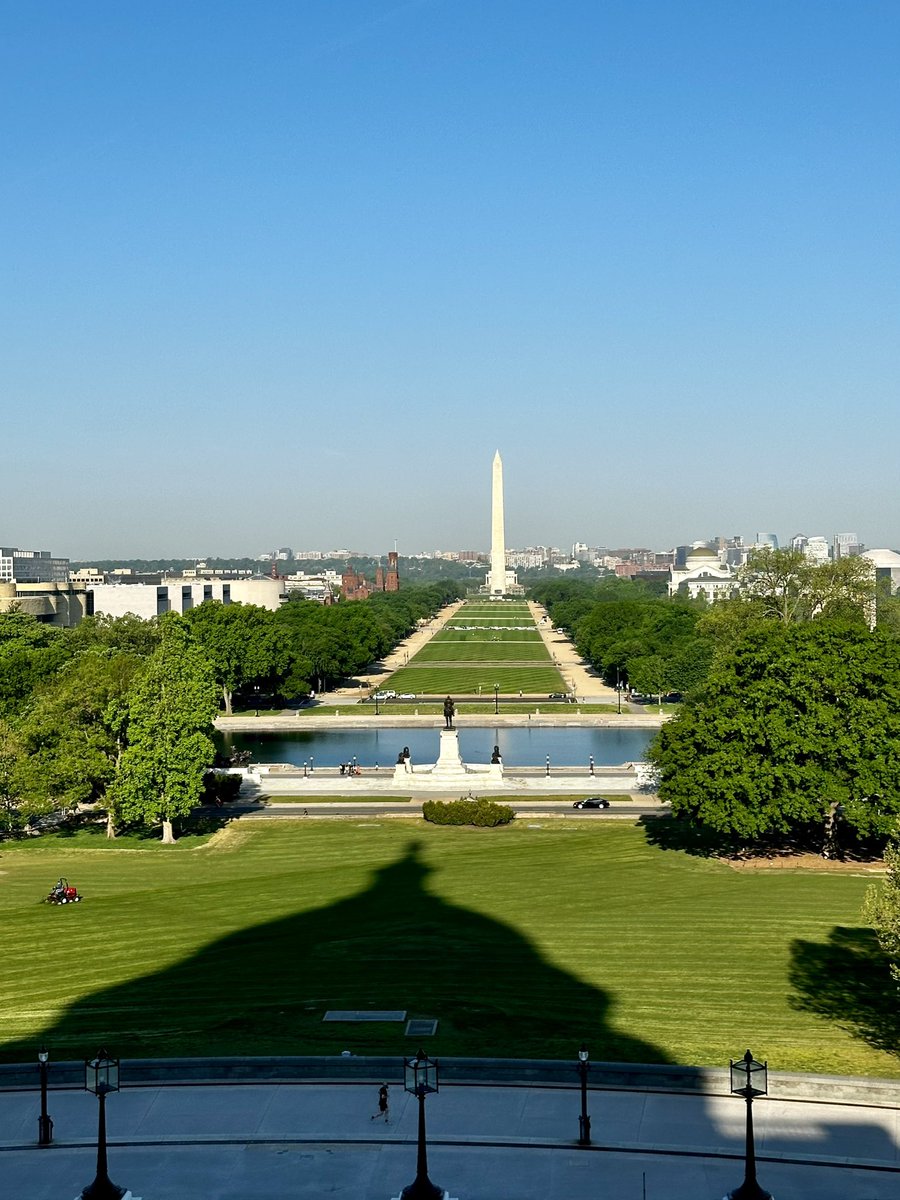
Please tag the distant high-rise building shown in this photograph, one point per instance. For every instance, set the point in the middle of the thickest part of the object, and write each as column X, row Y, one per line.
column 767, row 539
column 814, row 548
column 31, row 566
column 846, row 545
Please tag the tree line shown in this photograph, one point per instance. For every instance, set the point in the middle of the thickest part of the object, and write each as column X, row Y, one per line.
column 120, row 712
column 789, row 733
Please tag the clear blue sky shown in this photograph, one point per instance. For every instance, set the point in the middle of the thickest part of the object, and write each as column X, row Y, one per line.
column 289, row 273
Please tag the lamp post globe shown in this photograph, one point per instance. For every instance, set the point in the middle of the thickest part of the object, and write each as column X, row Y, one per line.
column 584, row 1120
column 45, row 1123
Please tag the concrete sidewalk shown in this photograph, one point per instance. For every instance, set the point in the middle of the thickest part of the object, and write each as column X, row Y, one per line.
column 243, row 1142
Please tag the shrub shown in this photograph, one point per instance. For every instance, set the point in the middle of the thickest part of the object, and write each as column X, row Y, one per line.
column 480, row 812
column 220, row 787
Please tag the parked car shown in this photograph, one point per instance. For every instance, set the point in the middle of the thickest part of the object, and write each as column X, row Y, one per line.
column 407, row 696
column 592, row 802
column 385, row 695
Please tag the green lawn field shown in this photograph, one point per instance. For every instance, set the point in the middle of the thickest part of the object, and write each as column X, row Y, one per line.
column 465, row 680
column 482, row 650
column 449, row 634
column 521, row 941
column 474, row 661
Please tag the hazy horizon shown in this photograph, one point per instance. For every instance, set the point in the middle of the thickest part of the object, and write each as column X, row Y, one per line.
column 288, row 273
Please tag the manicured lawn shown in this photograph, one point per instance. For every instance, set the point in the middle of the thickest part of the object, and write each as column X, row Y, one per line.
column 466, row 680
column 482, row 650
column 522, row 941
column 482, row 661
column 449, row 634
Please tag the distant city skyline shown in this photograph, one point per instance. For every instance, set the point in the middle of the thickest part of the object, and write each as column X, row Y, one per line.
column 310, row 552
column 291, row 272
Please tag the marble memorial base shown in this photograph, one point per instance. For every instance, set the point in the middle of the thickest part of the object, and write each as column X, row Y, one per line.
column 449, row 770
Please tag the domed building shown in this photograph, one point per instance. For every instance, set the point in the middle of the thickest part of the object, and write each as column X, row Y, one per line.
column 703, row 575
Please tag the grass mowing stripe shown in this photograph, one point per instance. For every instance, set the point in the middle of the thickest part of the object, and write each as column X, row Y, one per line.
column 468, row 680
column 482, row 651
column 238, row 946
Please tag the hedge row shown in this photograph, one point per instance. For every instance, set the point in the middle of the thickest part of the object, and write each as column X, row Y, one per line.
column 467, row 812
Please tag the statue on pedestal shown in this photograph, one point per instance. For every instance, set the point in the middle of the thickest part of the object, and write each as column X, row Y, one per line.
column 403, row 758
column 449, row 711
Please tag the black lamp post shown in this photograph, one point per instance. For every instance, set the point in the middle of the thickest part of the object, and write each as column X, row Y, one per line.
column 584, row 1121
column 256, row 697
column 45, row 1124
column 376, row 703
column 312, row 764
column 420, row 1076
column 618, row 691
column 748, row 1079
column 591, row 763
column 101, row 1076
column 548, row 765
column 496, row 698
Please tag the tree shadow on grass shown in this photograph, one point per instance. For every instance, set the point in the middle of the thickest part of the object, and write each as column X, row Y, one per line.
column 847, row 980
column 200, row 823
column 394, row 945
column 671, row 833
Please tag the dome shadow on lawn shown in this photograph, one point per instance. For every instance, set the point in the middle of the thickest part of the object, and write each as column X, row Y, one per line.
column 394, row 945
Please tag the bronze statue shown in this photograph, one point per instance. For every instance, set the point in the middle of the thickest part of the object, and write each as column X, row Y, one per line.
column 449, row 710
column 495, row 757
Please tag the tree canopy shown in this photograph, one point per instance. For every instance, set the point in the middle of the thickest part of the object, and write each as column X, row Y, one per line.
column 171, row 711
column 796, row 733
column 785, row 584
column 244, row 644
column 882, row 909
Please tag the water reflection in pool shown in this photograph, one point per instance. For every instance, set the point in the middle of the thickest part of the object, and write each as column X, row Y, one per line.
column 520, row 746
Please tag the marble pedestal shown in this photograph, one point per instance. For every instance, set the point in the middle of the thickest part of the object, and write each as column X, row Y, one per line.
column 449, row 771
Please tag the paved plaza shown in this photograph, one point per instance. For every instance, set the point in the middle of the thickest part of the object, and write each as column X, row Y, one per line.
column 250, row 1141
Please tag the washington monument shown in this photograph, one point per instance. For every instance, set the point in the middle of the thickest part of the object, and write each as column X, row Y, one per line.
column 497, row 582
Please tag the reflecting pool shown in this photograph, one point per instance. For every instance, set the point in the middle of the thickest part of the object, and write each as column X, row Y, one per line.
column 521, row 746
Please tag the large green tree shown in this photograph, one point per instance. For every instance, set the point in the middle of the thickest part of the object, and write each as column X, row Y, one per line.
column 12, row 759
column 75, row 729
column 795, row 733
column 786, row 585
column 30, row 652
column 243, row 643
column 171, row 710
column 882, row 909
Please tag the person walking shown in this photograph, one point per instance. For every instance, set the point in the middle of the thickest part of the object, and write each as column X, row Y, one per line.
column 383, row 1110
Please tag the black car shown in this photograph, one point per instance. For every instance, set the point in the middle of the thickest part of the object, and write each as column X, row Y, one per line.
column 592, row 802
